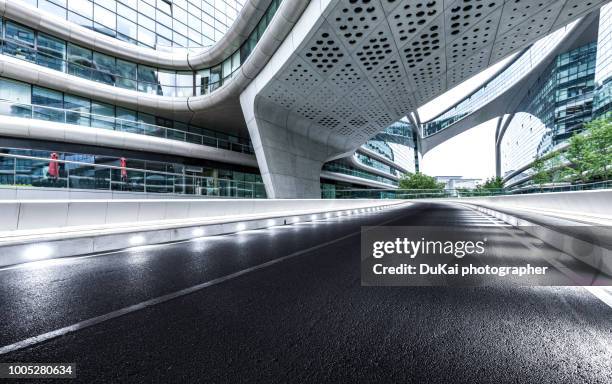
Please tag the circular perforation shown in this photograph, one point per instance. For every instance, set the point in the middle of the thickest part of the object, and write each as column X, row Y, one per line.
column 375, row 51
column 282, row 96
column 300, row 75
column 324, row 52
column 410, row 17
column 471, row 41
column 346, row 77
column 328, row 122
column 308, row 110
column 423, row 46
column 388, row 74
column 355, row 19
column 465, row 13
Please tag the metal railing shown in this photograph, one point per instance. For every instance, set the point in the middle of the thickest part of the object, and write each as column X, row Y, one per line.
column 459, row 193
column 30, row 171
column 86, row 119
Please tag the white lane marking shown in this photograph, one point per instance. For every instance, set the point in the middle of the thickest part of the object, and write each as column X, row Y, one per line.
column 602, row 293
column 162, row 299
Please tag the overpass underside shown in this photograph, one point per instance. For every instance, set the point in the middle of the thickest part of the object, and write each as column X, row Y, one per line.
column 350, row 68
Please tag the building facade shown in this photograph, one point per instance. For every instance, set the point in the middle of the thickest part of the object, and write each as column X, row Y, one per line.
column 573, row 90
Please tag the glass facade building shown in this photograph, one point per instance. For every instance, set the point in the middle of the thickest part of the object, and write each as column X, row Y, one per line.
column 30, row 168
column 501, row 82
column 33, row 46
column 21, row 99
column 555, row 108
column 150, row 23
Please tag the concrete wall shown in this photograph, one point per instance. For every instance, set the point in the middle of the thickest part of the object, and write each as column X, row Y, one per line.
column 596, row 203
column 57, row 214
column 60, row 228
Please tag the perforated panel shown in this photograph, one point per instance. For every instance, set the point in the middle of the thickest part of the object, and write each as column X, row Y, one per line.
column 370, row 62
column 575, row 8
column 425, row 48
column 300, row 77
column 354, row 20
column 468, row 43
column 343, row 109
column 363, row 95
column 531, row 29
column 430, row 90
column 346, row 77
column 306, row 109
column 515, row 12
column 280, row 95
column 468, row 67
column 410, row 17
column 377, row 48
column 462, row 15
column 324, row 52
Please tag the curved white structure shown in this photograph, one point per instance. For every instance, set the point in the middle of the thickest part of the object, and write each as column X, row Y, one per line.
column 323, row 78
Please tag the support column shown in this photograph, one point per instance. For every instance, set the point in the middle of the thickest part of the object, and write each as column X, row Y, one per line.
column 290, row 163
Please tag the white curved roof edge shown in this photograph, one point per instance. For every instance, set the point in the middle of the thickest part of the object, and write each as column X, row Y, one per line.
column 18, row 127
column 282, row 23
column 507, row 100
column 355, row 180
column 238, row 32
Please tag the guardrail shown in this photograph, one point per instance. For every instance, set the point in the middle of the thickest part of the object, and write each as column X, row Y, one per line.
column 86, row 119
column 454, row 193
column 20, row 171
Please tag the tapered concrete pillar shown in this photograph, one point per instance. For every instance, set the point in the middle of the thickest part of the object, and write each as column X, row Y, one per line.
column 290, row 162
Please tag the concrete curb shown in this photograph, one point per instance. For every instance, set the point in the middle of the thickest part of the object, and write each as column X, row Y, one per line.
column 40, row 248
column 591, row 254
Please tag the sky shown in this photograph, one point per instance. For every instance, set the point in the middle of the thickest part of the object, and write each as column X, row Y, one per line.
column 470, row 154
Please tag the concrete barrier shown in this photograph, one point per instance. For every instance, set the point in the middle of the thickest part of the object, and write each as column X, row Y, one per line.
column 597, row 203
column 574, row 208
column 40, row 229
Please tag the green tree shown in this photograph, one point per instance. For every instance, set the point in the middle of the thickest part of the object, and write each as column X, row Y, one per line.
column 589, row 154
column 419, row 181
column 540, row 175
column 492, row 183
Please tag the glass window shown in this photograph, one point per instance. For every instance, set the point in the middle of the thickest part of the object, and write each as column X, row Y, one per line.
column 84, row 8
column 79, row 61
column 145, row 36
column 15, row 91
column 77, row 110
column 105, row 68
column 48, row 103
column 104, row 17
column 215, row 77
column 19, row 33
column 52, row 8
column 147, row 79
column 103, row 115
column 184, row 84
column 80, row 20
column 126, row 120
column 108, row 4
column 126, row 29
column 167, row 79
column 126, row 74
column 165, row 5
column 202, row 79
column 51, row 52
column 227, row 68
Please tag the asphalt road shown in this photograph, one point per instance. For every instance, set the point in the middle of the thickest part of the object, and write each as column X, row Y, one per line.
column 305, row 318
